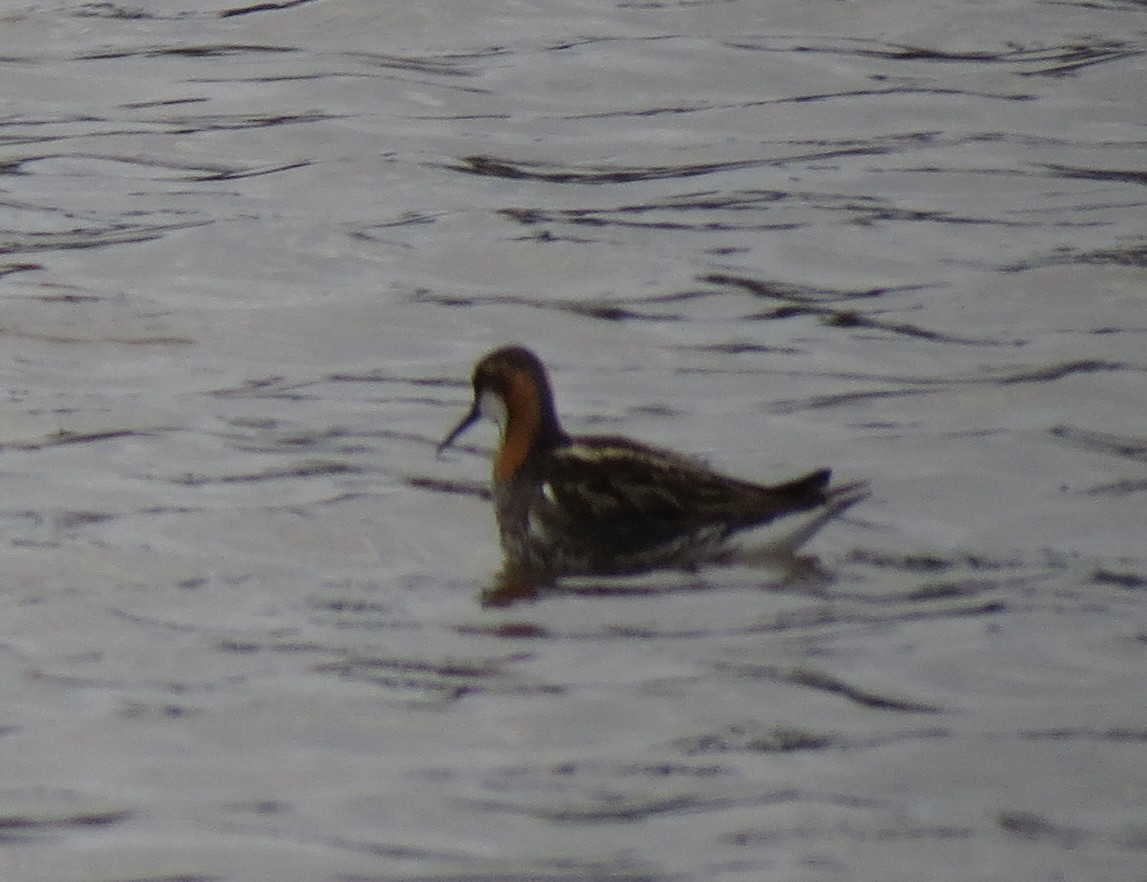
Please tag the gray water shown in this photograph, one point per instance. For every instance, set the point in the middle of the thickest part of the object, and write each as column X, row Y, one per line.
column 249, row 256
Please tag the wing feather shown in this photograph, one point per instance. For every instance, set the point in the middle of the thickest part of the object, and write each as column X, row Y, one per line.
column 616, row 494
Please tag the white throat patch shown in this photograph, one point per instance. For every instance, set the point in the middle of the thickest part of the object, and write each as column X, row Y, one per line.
column 493, row 408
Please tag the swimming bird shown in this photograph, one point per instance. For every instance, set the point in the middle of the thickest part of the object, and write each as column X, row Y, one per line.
column 609, row 505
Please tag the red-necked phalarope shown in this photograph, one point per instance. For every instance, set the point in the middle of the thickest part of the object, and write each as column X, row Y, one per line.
column 570, row 506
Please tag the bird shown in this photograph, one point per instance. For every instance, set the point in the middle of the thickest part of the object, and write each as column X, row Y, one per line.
column 611, row 506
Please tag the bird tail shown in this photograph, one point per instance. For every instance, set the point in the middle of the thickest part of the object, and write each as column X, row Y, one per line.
column 832, row 504
column 808, row 490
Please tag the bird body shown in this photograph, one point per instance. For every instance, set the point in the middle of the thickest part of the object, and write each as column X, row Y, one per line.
column 609, row 505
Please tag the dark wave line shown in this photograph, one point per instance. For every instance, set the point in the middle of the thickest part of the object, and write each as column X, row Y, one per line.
column 12, row 824
column 599, row 309
column 445, row 65
column 81, row 238
column 488, row 166
column 820, row 680
column 796, row 303
column 64, row 437
column 931, row 386
column 1121, row 176
column 304, row 470
column 217, row 50
column 262, row 7
column 1133, row 255
column 1102, row 442
column 1055, row 60
column 810, row 98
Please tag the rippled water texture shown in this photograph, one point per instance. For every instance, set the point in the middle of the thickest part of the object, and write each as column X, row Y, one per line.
column 248, row 256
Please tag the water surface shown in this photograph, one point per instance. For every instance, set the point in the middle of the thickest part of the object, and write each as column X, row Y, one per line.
column 249, row 255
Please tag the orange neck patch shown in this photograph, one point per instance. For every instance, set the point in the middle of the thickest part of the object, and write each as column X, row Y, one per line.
column 522, row 419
